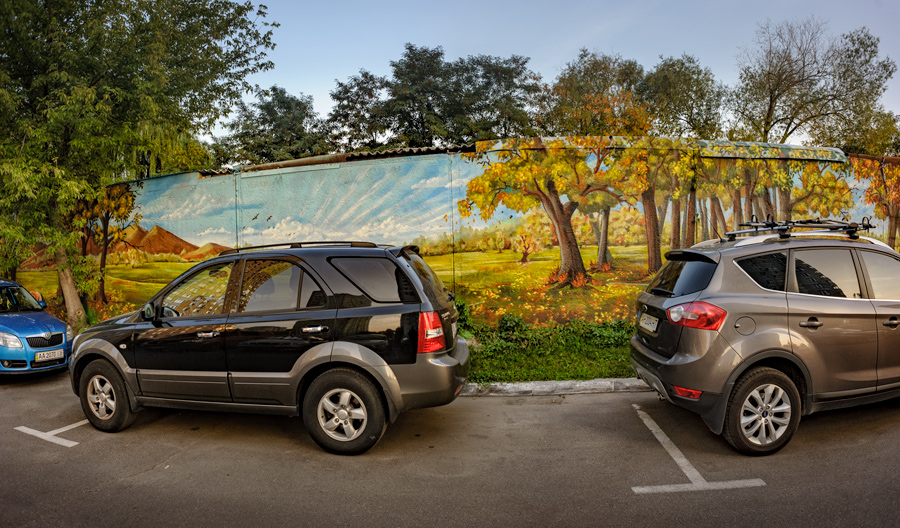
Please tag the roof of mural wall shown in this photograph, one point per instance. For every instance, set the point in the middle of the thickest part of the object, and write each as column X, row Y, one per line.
column 705, row 149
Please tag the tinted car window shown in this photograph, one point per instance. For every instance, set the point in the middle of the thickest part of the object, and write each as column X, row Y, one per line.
column 681, row 277
column 17, row 299
column 768, row 271
column 884, row 274
column 270, row 285
column 434, row 287
column 379, row 278
column 826, row 272
column 203, row 293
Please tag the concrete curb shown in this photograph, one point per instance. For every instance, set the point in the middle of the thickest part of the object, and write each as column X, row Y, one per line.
column 550, row 388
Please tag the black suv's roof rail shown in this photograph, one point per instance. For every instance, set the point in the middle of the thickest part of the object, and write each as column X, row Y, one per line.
column 783, row 229
column 295, row 245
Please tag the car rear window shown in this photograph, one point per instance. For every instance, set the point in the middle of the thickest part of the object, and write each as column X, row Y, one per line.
column 431, row 283
column 767, row 271
column 681, row 275
column 379, row 278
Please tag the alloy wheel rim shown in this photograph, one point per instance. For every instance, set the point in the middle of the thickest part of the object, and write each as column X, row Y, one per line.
column 101, row 397
column 342, row 415
column 765, row 415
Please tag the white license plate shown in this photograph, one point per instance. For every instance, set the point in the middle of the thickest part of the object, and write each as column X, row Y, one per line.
column 47, row 355
column 649, row 323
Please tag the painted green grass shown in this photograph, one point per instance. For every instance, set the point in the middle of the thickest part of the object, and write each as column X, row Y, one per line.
column 496, row 283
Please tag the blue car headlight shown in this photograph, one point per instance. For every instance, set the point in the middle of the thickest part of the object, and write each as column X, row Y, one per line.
column 70, row 334
column 9, row 341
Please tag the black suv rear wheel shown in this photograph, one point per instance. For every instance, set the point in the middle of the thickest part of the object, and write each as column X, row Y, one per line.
column 763, row 412
column 343, row 412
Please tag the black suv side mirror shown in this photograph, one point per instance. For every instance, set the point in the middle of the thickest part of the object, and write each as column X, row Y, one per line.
column 148, row 313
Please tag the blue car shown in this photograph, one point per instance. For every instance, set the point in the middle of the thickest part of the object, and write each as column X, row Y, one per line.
column 31, row 340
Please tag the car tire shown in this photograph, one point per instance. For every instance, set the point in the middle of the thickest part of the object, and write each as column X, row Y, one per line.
column 763, row 412
column 104, row 398
column 343, row 412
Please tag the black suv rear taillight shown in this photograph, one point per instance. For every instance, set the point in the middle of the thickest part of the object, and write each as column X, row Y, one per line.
column 431, row 333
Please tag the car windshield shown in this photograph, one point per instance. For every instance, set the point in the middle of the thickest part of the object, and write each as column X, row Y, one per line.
column 17, row 299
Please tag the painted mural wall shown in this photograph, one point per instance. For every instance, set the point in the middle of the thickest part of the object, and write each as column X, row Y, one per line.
column 485, row 220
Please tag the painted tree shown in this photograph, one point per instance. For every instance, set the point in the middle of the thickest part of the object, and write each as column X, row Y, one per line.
column 522, row 175
column 882, row 191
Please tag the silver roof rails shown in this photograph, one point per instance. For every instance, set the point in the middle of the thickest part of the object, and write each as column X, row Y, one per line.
column 784, row 229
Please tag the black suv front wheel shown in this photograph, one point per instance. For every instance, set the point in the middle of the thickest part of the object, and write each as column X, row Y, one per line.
column 343, row 412
column 763, row 412
column 103, row 397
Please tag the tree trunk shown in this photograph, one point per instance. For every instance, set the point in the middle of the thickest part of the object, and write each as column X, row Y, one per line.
column 675, row 237
column 768, row 205
column 74, row 309
column 661, row 212
column 571, row 267
column 737, row 217
column 748, row 197
column 690, row 228
column 651, row 227
column 704, row 220
column 719, row 215
column 600, row 226
column 892, row 229
column 101, row 287
column 784, row 199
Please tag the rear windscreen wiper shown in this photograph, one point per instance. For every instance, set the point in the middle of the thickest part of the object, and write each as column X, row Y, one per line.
column 662, row 291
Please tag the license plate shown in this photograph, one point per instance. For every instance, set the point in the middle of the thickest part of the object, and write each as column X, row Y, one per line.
column 649, row 323
column 47, row 355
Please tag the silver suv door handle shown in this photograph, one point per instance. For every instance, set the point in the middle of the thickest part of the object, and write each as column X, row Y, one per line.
column 812, row 323
column 892, row 322
column 314, row 329
column 208, row 335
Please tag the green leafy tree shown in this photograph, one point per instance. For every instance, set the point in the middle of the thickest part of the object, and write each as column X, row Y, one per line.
column 358, row 119
column 797, row 79
column 81, row 82
column 278, row 127
column 685, row 98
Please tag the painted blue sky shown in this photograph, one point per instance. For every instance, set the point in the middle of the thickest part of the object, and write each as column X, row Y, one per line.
column 319, row 42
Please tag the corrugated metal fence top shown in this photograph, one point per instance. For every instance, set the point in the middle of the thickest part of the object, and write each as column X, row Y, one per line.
column 354, row 156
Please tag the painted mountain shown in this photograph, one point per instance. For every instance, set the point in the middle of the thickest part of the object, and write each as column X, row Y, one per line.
column 155, row 241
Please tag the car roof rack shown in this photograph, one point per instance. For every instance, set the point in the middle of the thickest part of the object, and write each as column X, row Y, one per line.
column 295, row 245
column 783, row 229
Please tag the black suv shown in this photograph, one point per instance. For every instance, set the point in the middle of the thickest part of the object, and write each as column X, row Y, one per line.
column 751, row 332
column 346, row 334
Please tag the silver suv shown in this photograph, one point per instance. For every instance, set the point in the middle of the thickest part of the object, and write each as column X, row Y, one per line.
column 756, row 329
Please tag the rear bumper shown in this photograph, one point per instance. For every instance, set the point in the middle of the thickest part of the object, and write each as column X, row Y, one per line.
column 434, row 379
column 661, row 374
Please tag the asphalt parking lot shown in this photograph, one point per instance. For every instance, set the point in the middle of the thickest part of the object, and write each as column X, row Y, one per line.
column 614, row 459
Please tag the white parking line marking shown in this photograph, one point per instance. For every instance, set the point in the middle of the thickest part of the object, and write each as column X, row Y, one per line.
column 698, row 483
column 51, row 436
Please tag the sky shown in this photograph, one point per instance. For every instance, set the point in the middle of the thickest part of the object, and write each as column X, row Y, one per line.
column 320, row 42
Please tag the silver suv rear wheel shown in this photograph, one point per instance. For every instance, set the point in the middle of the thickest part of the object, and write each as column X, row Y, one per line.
column 763, row 412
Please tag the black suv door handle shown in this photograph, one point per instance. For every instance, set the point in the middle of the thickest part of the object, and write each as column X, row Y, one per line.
column 892, row 322
column 314, row 329
column 812, row 323
column 208, row 335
